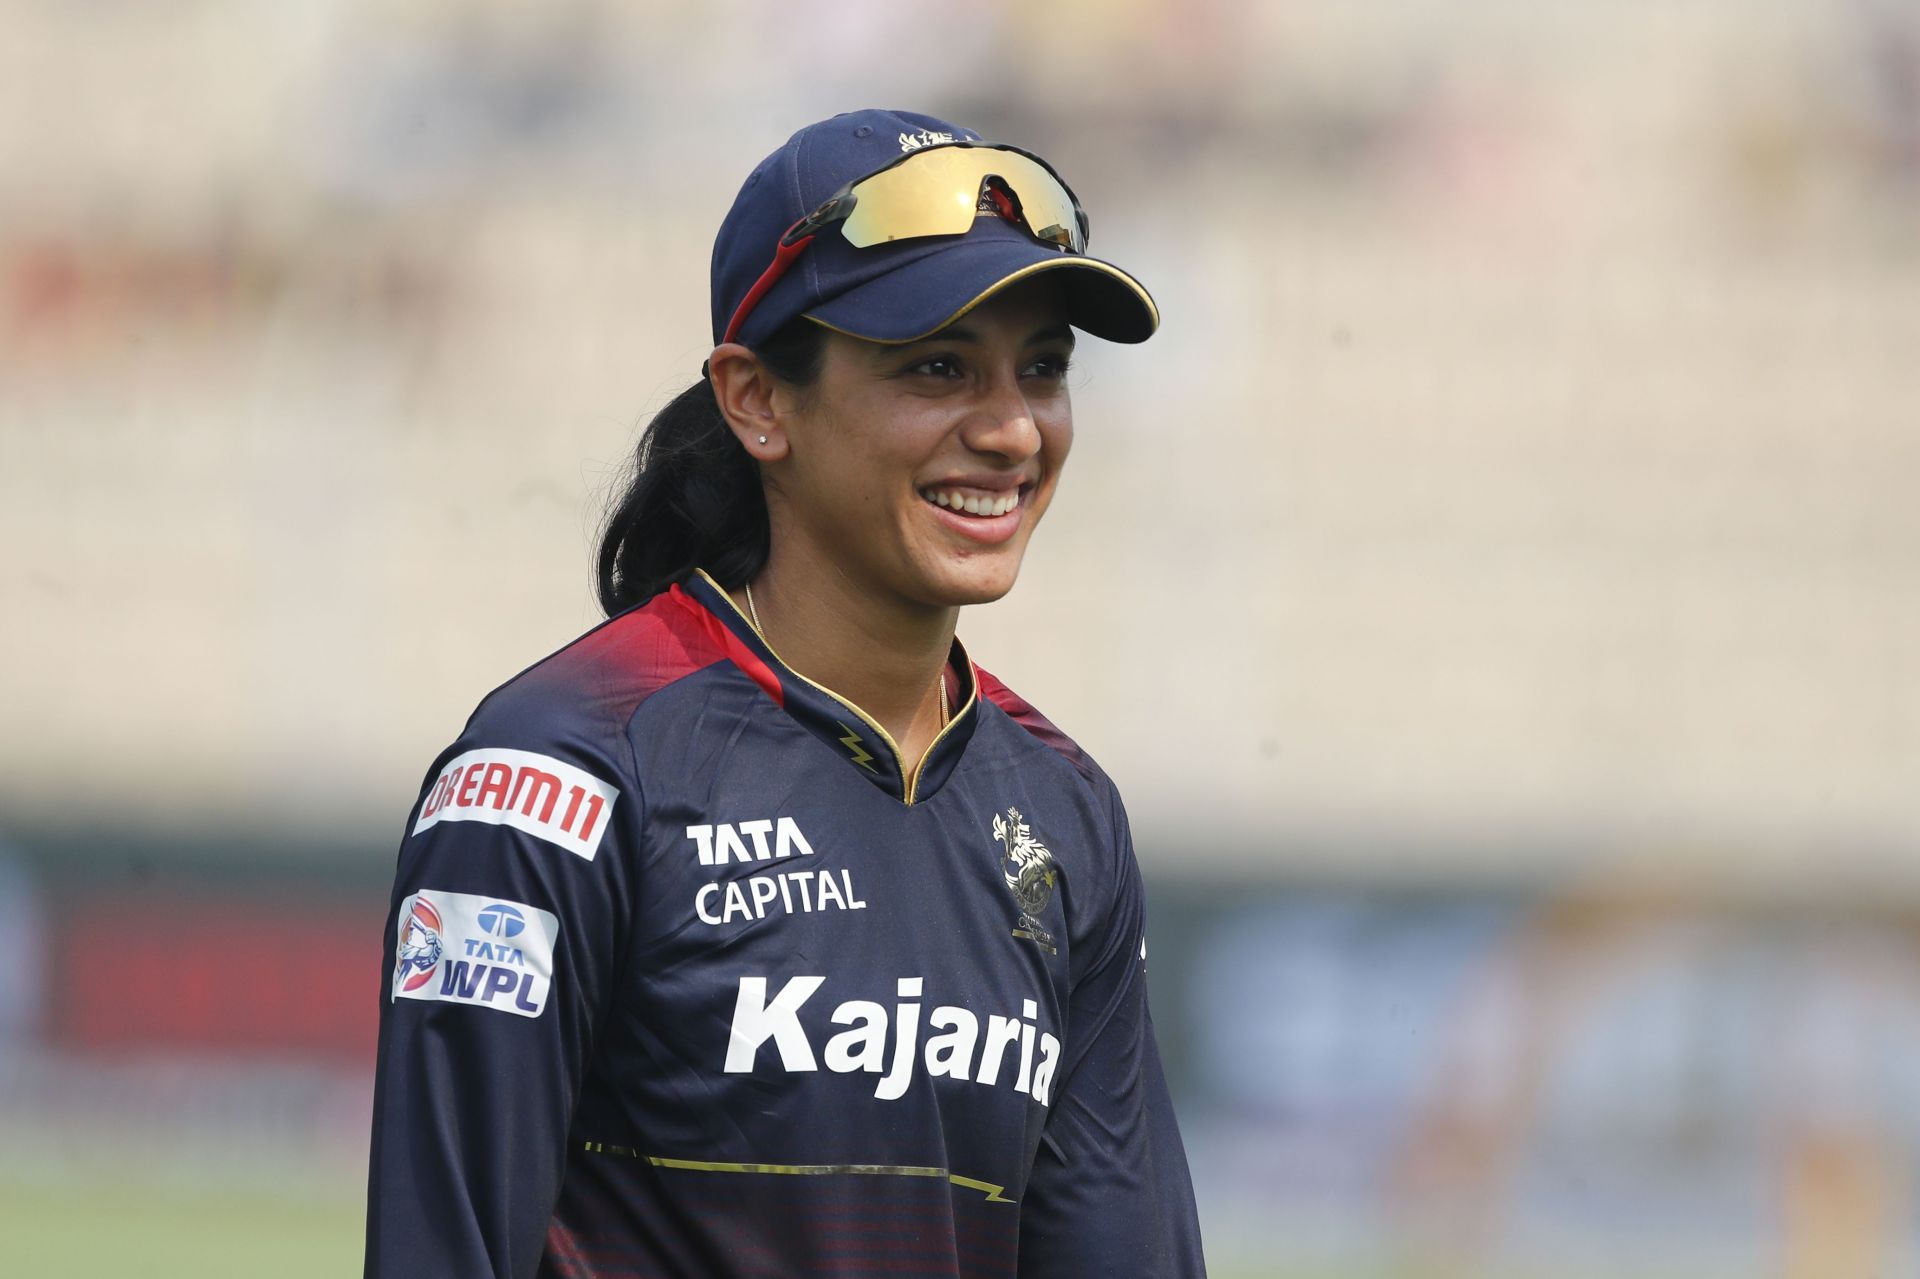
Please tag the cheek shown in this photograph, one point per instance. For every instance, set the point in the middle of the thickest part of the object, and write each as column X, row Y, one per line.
column 833, row 459
column 1056, row 441
column 850, row 476
column 1056, row 434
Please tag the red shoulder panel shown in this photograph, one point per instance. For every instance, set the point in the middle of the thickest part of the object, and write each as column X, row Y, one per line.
column 1022, row 712
column 638, row 653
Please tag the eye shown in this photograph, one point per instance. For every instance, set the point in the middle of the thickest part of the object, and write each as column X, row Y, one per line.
column 1051, row 366
column 937, row 366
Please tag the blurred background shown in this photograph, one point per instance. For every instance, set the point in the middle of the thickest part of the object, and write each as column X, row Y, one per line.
column 1496, row 589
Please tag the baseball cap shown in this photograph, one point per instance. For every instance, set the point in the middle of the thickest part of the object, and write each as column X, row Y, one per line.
column 902, row 290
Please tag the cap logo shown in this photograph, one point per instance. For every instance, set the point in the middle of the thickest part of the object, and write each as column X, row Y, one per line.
column 926, row 138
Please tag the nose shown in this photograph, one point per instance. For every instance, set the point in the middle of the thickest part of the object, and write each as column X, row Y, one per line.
column 1002, row 422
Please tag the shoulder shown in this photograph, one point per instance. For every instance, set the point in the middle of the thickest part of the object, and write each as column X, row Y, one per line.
column 1089, row 840
column 541, row 747
column 592, row 686
column 1043, row 732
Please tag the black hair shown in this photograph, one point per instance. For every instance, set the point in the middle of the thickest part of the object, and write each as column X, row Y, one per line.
column 693, row 497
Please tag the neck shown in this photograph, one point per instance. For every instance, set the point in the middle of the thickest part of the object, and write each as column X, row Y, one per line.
column 883, row 654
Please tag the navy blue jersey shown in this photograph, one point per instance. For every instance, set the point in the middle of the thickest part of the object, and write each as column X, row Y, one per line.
column 689, row 974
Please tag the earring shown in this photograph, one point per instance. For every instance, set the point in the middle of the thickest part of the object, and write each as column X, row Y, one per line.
column 763, row 439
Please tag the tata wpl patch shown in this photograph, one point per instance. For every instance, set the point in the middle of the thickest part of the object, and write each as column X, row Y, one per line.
column 456, row 948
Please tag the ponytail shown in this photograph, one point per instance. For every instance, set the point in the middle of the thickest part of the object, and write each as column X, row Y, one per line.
column 694, row 498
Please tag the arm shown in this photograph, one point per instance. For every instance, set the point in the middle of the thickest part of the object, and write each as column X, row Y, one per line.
column 500, row 949
column 1110, row 1193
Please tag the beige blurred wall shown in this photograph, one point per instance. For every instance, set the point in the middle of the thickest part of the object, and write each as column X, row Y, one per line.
column 1521, row 483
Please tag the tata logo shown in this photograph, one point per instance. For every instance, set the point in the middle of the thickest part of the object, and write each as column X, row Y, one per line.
column 500, row 920
column 768, row 839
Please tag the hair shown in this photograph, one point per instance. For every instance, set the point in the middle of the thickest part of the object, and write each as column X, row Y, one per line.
column 693, row 497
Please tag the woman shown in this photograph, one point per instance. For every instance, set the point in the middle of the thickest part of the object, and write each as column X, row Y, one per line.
column 758, row 931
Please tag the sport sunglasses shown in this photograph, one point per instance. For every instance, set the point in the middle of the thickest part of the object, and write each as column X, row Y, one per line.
column 937, row 190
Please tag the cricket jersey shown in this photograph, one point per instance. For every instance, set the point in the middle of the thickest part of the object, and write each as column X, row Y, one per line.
column 689, row 973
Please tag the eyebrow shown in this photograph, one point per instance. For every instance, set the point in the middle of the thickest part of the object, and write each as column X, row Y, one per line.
column 961, row 333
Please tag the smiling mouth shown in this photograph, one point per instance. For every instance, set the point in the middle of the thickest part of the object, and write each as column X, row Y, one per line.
column 975, row 502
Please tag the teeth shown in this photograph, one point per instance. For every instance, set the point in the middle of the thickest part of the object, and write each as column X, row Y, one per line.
column 972, row 504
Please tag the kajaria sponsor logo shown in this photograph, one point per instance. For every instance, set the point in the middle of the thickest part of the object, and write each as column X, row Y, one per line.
column 543, row 796
column 1006, row 1051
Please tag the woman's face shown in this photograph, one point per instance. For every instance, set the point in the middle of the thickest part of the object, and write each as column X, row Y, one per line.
column 920, row 470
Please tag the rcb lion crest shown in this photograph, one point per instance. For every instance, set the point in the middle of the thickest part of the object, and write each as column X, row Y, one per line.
column 1030, row 873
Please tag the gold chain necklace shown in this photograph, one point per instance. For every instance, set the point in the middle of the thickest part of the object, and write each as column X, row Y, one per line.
column 940, row 684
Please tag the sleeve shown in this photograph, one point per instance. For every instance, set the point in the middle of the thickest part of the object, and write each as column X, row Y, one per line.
column 510, row 907
column 1110, row 1193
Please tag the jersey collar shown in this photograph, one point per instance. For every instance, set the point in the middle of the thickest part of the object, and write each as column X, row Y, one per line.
column 849, row 731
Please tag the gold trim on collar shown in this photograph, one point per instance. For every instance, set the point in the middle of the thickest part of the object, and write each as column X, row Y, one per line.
column 909, row 781
column 973, row 691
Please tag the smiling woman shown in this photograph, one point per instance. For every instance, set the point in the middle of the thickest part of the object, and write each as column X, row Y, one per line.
column 759, row 930
column 902, row 485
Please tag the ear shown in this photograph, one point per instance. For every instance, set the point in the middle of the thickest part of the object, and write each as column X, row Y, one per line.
column 745, row 392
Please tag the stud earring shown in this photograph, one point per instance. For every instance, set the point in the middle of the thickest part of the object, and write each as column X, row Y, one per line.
column 763, row 439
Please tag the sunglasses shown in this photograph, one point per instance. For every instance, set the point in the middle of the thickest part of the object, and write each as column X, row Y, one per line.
column 937, row 190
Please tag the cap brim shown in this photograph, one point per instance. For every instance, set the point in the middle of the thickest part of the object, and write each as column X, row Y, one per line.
column 925, row 295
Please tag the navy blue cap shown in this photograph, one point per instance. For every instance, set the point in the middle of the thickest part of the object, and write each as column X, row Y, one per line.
column 901, row 291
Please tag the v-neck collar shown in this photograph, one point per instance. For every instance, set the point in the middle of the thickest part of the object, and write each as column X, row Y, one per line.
column 858, row 738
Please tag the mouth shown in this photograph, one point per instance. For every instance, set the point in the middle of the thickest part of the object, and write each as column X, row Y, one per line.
column 974, row 502
column 982, row 514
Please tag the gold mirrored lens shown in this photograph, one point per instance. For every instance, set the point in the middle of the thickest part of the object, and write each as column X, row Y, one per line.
column 937, row 192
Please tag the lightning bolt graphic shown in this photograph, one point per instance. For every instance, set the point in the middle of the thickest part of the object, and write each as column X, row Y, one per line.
column 852, row 742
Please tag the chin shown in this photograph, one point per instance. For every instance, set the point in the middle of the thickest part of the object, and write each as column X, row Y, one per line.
column 973, row 582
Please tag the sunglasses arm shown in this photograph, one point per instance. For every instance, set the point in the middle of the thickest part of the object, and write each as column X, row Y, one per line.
column 782, row 259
